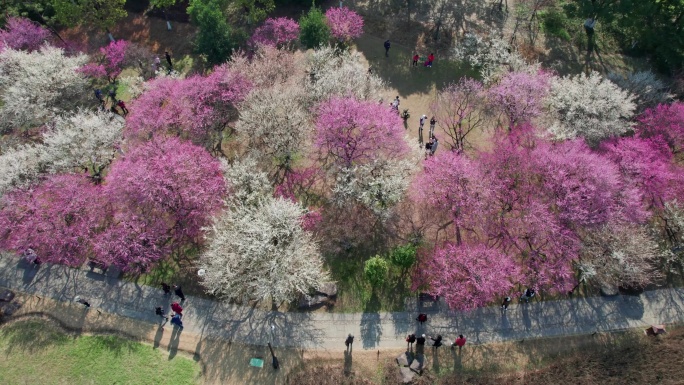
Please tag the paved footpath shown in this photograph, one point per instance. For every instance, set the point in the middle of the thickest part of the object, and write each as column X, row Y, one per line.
column 322, row 330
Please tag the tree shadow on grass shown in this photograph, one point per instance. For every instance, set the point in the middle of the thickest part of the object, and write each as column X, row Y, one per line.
column 397, row 71
column 32, row 336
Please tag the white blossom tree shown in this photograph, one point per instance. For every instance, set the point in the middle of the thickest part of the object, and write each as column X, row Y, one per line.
column 619, row 254
column 247, row 184
column 267, row 66
column 85, row 140
column 334, row 72
column 492, row 55
column 648, row 90
column 36, row 86
column 378, row 185
column 589, row 106
column 20, row 166
column 262, row 253
column 275, row 125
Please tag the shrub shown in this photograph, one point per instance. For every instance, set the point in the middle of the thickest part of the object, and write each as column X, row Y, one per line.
column 375, row 270
column 314, row 29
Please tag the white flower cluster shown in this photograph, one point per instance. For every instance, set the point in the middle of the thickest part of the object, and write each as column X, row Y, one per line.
column 275, row 124
column 589, row 106
column 248, row 185
column 85, row 139
column 261, row 252
column 37, row 86
column 647, row 88
column 340, row 72
column 377, row 185
column 493, row 55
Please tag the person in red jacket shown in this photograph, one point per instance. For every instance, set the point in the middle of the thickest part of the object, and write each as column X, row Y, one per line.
column 122, row 105
column 430, row 59
column 415, row 60
column 176, row 307
column 460, row 341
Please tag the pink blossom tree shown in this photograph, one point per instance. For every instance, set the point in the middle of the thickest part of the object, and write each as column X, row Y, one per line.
column 278, row 32
column 453, row 182
column 456, row 108
column 647, row 164
column 467, row 276
column 198, row 108
column 22, row 34
column 163, row 193
column 519, row 96
column 56, row 218
column 344, row 23
column 350, row 131
column 666, row 120
column 110, row 63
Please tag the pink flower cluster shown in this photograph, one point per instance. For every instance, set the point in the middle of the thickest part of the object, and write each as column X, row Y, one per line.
column 277, row 32
column 344, row 23
column 22, row 34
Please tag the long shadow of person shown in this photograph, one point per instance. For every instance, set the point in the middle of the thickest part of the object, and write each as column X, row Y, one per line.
column 157, row 337
column 347, row 362
column 435, row 360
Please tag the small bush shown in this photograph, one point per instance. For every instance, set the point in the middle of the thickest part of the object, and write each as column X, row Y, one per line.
column 554, row 24
column 376, row 270
column 403, row 256
column 314, row 30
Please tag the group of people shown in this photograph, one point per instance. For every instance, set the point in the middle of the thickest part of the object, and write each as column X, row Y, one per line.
column 115, row 102
column 433, row 142
column 436, row 341
column 426, row 63
column 176, row 308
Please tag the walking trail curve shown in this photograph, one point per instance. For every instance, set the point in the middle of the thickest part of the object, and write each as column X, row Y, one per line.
column 324, row 331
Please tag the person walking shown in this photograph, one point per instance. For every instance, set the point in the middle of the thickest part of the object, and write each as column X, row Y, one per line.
column 436, row 342
column 430, row 59
column 82, row 301
column 168, row 60
column 410, row 339
column 422, row 318
column 160, row 312
column 387, row 47
column 415, row 60
column 527, row 295
column 420, row 341
column 433, row 148
column 433, row 122
column 112, row 95
column 122, row 105
column 460, row 341
column 98, row 95
column 348, row 342
column 176, row 320
column 179, row 292
column 504, row 304
column 428, row 148
column 395, row 104
column 421, row 121
column 166, row 287
column 156, row 63
column 176, row 307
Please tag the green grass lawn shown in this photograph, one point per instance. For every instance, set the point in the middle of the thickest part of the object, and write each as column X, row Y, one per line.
column 34, row 352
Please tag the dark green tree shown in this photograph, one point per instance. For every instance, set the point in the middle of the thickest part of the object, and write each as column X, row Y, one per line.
column 255, row 10
column 215, row 39
column 313, row 29
column 375, row 269
column 403, row 257
column 100, row 13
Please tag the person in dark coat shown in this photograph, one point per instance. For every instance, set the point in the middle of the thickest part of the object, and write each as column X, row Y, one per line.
column 410, row 339
column 160, row 312
column 348, row 342
column 387, row 47
column 179, row 292
column 436, row 342
column 176, row 320
column 166, row 287
column 422, row 317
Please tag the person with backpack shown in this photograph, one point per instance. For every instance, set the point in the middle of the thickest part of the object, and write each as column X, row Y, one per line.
column 422, row 318
column 387, row 47
column 436, row 342
column 176, row 307
column 410, row 339
column 160, row 312
column 176, row 320
column 527, row 295
column 504, row 304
